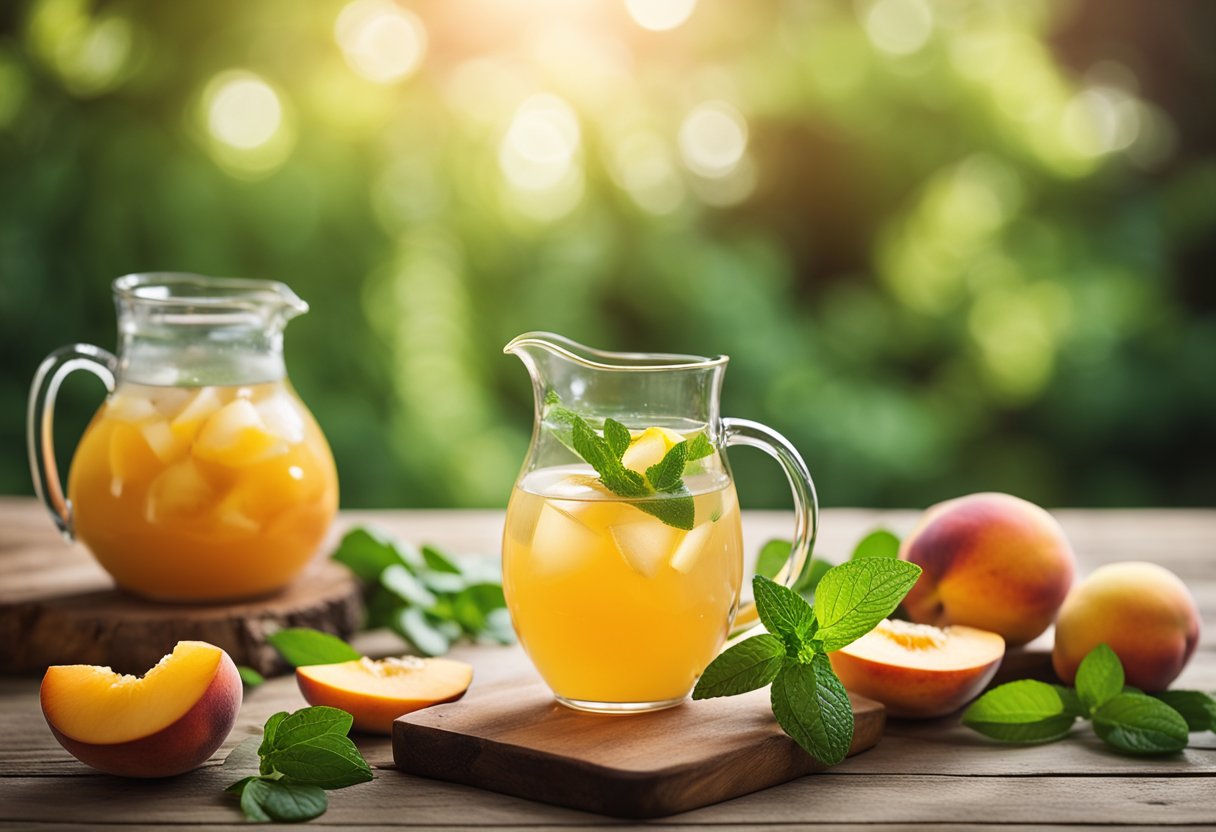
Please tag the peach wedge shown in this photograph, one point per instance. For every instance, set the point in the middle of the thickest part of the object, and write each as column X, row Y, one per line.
column 917, row 670
column 166, row 722
column 375, row 692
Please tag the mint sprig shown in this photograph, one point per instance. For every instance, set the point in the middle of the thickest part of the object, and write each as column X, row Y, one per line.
column 300, row 756
column 1028, row 711
column 808, row 699
column 605, row 455
column 423, row 594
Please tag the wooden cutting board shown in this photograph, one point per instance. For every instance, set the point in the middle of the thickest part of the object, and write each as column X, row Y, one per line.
column 58, row 606
column 513, row 738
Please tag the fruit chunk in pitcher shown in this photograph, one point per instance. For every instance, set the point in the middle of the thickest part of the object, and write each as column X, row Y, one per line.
column 612, row 604
column 205, row 492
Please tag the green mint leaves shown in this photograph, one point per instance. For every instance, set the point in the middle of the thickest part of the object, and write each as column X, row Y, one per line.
column 1028, row 711
column 302, row 646
column 808, row 699
column 427, row 597
column 605, row 454
column 300, row 756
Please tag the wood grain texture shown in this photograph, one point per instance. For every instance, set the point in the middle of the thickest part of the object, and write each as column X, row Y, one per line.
column 922, row 776
column 58, row 606
column 515, row 739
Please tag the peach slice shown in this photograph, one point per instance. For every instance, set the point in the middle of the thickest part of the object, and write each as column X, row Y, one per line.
column 917, row 670
column 166, row 722
column 375, row 692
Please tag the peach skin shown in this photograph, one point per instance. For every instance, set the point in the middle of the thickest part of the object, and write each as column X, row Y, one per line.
column 167, row 722
column 1143, row 611
column 991, row 561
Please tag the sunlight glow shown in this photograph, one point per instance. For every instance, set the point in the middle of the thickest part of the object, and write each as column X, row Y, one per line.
column 660, row 15
column 380, row 40
column 540, row 144
column 899, row 27
column 244, row 112
column 713, row 138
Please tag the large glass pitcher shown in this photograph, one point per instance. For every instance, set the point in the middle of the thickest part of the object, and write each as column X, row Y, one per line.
column 623, row 548
column 202, row 476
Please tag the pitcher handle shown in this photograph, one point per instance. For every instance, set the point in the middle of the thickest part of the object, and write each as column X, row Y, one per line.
column 40, row 435
column 806, row 502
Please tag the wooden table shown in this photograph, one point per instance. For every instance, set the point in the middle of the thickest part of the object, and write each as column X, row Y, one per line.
column 922, row 775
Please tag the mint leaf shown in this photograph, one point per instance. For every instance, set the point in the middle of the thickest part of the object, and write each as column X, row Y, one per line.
column 1024, row 711
column 1139, row 724
column 1072, row 702
column 773, row 556
column 811, row 705
column 809, row 580
column 252, row 791
column 853, row 597
column 473, row 604
column 250, row 678
column 617, row 436
column 368, row 552
column 290, row 802
column 667, row 474
column 699, row 447
column 1196, row 707
column 415, row 626
column 748, row 665
column 438, row 561
column 877, row 544
column 268, row 735
column 1099, row 677
column 307, row 723
column 783, row 612
column 329, row 761
column 302, row 646
column 679, row 512
column 243, row 757
column 406, row 586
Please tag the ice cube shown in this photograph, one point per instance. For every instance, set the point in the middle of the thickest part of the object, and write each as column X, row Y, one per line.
column 645, row 451
column 180, row 491
column 126, row 407
column 166, row 444
column 201, row 404
column 689, row 551
column 282, row 417
column 561, row 542
column 577, row 487
column 236, row 435
column 169, row 401
column 646, row 544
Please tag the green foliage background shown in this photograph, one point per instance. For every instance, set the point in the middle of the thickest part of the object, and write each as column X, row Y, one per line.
column 983, row 264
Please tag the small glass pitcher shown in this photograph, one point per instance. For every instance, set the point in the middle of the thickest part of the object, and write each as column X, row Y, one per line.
column 202, row 477
column 623, row 553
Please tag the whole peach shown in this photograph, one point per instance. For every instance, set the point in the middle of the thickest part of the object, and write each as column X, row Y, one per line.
column 1143, row 611
column 991, row 561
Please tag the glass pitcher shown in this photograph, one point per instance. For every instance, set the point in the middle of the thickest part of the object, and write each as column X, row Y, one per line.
column 623, row 548
column 202, row 477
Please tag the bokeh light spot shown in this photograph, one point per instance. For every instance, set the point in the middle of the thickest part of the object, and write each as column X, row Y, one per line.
column 660, row 15
column 713, row 138
column 899, row 27
column 643, row 168
column 244, row 112
column 540, row 144
column 380, row 40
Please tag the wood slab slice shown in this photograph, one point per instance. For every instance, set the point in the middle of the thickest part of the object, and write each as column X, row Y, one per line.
column 515, row 739
column 52, row 623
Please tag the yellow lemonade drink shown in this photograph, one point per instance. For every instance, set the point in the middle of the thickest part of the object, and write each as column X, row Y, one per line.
column 200, row 493
column 612, row 604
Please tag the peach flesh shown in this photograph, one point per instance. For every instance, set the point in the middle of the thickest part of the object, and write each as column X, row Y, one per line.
column 375, row 692
column 168, row 722
column 917, row 670
column 1144, row 612
column 991, row 561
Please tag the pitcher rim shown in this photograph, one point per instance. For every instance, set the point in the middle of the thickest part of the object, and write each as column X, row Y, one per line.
column 627, row 361
column 246, row 291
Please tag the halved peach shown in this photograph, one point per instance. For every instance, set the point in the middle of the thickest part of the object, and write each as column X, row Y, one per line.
column 166, row 722
column 917, row 670
column 377, row 691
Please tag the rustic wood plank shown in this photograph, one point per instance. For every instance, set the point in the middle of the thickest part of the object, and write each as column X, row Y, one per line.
column 515, row 739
